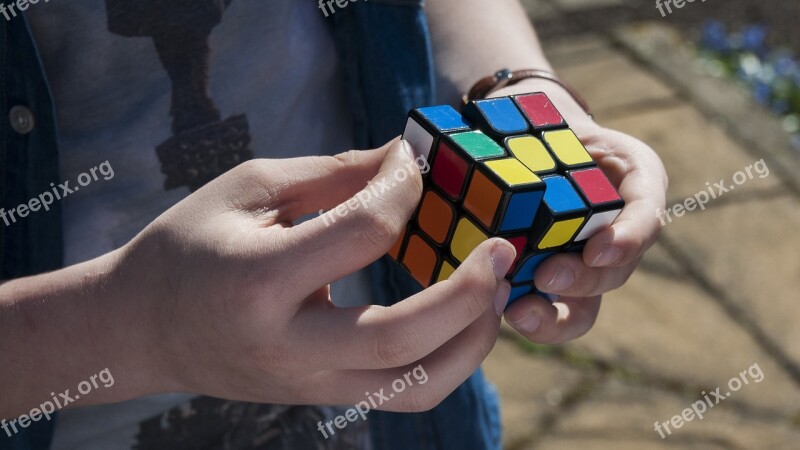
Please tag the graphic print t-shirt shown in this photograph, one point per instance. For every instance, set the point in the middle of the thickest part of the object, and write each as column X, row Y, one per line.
column 126, row 77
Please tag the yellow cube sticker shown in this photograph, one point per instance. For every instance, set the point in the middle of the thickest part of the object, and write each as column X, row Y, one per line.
column 445, row 272
column 560, row 233
column 466, row 238
column 567, row 147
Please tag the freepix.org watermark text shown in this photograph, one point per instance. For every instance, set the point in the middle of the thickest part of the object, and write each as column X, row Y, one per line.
column 57, row 402
column 698, row 409
column 57, row 193
column 11, row 10
column 713, row 192
column 375, row 190
column 373, row 401
column 665, row 6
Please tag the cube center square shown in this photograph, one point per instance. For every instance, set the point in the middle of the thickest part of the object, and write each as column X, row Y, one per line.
column 508, row 167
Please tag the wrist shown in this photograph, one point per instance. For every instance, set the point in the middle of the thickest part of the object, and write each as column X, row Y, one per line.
column 63, row 327
column 132, row 308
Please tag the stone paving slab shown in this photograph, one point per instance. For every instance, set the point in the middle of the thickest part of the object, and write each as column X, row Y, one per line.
column 693, row 149
column 750, row 252
column 620, row 416
column 658, row 261
column 529, row 388
column 667, row 332
column 613, row 82
column 563, row 53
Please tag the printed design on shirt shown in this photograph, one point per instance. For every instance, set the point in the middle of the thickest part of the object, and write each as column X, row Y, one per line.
column 203, row 145
column 210, row 423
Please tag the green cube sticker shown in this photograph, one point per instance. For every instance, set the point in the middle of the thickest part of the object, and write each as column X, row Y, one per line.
column 478, row 145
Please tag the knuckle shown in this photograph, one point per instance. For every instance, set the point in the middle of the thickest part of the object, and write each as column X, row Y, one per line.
column 249, row 167
column 252, row 171
column 487, row 342
column 382, row 229
column 347, row 158
column 259, row 175
column 477, row 294
column 393, row 348
column 589, row 282
column 277, row 360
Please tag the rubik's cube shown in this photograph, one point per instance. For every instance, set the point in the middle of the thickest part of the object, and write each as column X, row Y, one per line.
column 509, row 167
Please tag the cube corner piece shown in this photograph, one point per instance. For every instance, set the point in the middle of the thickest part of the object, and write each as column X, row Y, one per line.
column 424, row 126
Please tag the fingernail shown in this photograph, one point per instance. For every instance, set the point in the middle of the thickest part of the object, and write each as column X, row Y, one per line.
column 608, row 255
column 529, row 323
column 503, row 254
column 562, row 279
column 501, row 299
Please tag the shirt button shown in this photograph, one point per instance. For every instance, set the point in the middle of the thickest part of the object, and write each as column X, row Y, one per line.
column 22, row 120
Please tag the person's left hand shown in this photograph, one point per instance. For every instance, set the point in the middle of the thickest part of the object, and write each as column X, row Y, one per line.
column 611, row 256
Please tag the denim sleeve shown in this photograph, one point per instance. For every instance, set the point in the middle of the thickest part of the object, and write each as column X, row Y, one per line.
column 28, row 161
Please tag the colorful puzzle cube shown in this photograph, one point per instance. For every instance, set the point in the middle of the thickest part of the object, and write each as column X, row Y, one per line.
column 509, row 167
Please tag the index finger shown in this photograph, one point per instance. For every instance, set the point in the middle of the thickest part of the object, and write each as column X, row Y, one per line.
column 642, row 182
column 356, row 232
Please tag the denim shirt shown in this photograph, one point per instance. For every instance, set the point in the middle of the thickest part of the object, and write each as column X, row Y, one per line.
column 387, row 60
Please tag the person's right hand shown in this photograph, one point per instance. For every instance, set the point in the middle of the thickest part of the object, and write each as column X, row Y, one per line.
column 237, row 299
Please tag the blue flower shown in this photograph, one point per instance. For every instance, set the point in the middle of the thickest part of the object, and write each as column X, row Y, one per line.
column 785, row 65
column 773, row 77
column 754, row 39
column 762, row 92
column 715, row 37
